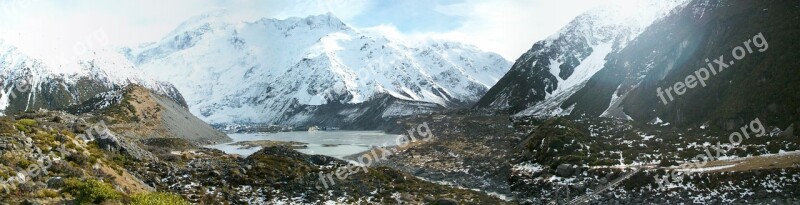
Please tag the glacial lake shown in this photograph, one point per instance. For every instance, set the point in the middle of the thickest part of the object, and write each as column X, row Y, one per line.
column 329, row 143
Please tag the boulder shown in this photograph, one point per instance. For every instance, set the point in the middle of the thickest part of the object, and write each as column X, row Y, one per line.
column 445, row 202
column 760, row 194
column 122, row 145
column 55, row 183
column 603, row 181
column 428, row 199
column 79, row 126
column 565, row 170
column 580, row 187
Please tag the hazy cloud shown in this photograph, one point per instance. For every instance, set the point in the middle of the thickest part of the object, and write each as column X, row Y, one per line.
column 508, row 27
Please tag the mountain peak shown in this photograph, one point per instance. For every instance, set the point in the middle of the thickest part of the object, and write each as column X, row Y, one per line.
column 306, row 62
column 60, row 81
column 554, row 69
column 326, row 17
column 634, row 15
column 209, row 20
column 328, row 20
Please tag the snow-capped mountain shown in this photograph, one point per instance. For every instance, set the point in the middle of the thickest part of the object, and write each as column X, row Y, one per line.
column 582, row 72
column 692, row 37
column 727, row 66
column 295, row 70
column 554, row 69
column 31, row 81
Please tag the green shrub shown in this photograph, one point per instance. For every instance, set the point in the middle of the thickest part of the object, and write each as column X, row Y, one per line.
column 158, row 198
column 46, row 193
column 24, row 163
column 91, row 191
column 80, row 159
column 25, row 125
column 22, row 128
column 7, row 126
column 27, row 122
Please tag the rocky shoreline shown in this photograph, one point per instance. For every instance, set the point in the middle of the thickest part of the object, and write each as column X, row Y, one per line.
column 270, row 143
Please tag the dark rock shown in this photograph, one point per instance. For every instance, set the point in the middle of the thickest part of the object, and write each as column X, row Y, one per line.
column 79, row 126
column 55, row 183
column 603, row 181
column 578, row 187
column 429, row 199
column 5, row 144
column 27, row 187
column 760, row 194
column 445, row 202
column 109, row 142
column 565, row 170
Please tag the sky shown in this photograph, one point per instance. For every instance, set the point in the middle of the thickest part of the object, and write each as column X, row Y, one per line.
column 507, row 27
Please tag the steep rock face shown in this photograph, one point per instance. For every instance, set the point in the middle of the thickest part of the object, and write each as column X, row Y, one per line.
column 30, row 83
column 281, row 71
column 625, row 81
column 757, row 85
column 557, row 67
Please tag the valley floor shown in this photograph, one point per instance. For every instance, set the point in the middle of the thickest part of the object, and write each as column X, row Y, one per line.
column 598, row 161
column 470, row 158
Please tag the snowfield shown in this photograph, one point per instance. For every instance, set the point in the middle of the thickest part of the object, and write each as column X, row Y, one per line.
column 233, row 71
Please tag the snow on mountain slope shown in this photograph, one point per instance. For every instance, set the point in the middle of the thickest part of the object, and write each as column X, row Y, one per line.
column 271, row 71
column 56, row 84
column 542, row 80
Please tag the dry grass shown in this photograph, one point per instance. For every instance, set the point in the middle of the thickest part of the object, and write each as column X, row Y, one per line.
column 127, row 182
column 757, row 163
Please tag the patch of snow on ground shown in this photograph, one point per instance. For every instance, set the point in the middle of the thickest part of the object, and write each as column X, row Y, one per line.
column 527, row 168
column 647, row 137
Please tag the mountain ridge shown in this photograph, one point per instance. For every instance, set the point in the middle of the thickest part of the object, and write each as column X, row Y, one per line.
column 557, row 67
column 285, row 66
column 56, row 85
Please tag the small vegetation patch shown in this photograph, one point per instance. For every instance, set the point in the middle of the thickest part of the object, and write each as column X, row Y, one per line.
column 91, row 191
column 158, row 198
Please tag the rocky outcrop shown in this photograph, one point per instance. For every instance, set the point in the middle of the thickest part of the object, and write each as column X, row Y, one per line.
column 111, row 143
column 137, row 112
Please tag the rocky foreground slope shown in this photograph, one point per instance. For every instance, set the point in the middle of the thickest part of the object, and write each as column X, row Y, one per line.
column 604, row 161
column 697, row 108
column 656, row 163
column 126, row 153
column 527, row 162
